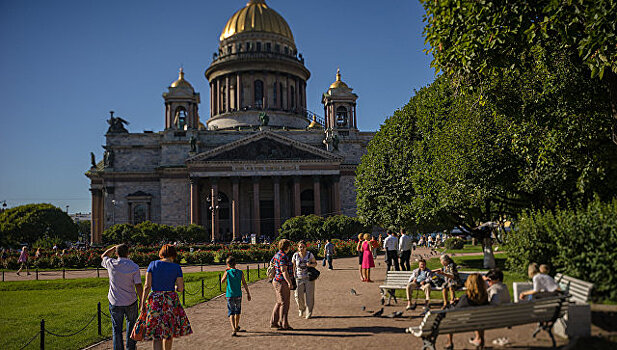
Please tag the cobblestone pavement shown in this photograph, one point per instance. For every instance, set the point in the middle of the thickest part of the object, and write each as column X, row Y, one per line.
column 341, row 320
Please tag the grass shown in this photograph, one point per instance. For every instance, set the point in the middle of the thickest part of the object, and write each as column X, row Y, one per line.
column 68, row 305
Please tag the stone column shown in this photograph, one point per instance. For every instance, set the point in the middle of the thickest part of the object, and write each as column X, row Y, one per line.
column 218, row 95
column 256, row 214
column 265, row 99
column 227, row 94
column 238, row 92
column 214, row 193
column 194, row 183
column 297, row 201
column 355, row 119
column 235, row 218
column 277, row 202
column 96, row 231
column 317, row 195
column 211, row 100
column 336, row 194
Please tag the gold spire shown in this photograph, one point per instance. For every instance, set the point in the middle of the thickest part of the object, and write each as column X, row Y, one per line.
column 181, row 82
column 338, row 83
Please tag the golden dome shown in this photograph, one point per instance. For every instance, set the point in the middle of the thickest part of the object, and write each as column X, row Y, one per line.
column 256, row 16
column 338, row 83
column 181, row 82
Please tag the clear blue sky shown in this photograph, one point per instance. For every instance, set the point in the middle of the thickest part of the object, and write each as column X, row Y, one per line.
column 65, row 64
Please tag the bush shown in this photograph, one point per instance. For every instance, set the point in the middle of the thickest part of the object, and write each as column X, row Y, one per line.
column 307, row 227
column 453, row 243
column 27, row 223
column 343, row 227
column 579, row 242
column 49, row 242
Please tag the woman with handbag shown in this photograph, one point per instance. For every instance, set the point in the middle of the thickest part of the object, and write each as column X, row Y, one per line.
column 305, row 293
column 282, row 283
column 162, row 317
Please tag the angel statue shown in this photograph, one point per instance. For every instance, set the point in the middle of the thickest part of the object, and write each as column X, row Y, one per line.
column 116, row 124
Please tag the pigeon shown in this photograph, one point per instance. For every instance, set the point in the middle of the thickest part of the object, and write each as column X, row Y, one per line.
column 395, row 314
column 378, row 313
column 353, row 292
column 363, row 307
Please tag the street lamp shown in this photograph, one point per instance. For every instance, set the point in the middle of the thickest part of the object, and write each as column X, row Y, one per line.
column 113, row 212
column 213, row 206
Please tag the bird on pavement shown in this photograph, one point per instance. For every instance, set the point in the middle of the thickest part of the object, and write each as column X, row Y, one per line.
column 353, row 292
column 378, row 313
column 395, row 314
column 363, row 307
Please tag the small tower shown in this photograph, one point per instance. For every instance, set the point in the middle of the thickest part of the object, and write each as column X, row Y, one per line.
column 340, row 106
column 181, row 111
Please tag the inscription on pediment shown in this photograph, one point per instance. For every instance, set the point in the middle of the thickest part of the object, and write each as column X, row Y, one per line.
column 264, row 149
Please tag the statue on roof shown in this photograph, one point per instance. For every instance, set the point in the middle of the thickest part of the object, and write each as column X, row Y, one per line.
column 193, row 143
column 92, row 160
column 116, row 124
column 264, row 119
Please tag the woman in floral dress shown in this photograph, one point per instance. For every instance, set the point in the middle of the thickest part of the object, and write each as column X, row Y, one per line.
column 164, row 318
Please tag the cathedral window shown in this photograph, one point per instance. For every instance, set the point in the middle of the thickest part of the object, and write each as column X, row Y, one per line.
column 258, row 47
column 259, row 93
column 277, row 48
column 248, row 46
column 140, row 212
column 282, row 94
column 341, row 116
column 274, row 94
column 293, row 98
column 268, row 47
column 286, row 50
column 223, row 97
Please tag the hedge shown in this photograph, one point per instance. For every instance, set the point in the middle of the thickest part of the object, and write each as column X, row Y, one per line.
column 579, row 242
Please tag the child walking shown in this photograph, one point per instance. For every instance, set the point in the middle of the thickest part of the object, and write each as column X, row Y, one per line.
column 234, row 294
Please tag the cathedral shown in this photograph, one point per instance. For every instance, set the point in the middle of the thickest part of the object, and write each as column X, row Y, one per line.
column 260, row 158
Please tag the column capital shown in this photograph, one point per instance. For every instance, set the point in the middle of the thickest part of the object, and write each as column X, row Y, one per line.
column 316, row 178
column 193, row 180
column 235, row 179
column 256, row 179
column 336, row 178
column 296, row 178
column 276, row 178
column 214, row 180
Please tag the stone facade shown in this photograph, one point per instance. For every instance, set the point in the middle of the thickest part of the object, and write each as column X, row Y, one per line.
column 259, row 161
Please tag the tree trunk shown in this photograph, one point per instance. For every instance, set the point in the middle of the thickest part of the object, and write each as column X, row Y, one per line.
column 611, row 80
column 487, row 248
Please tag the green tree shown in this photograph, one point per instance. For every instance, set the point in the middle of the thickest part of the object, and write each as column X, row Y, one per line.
column 473, row 40
column 122, row 233
column 192, row 233
column 150, row 232
column 27, row 223
column 342, row 227
column 307, row 227
column 83, row 229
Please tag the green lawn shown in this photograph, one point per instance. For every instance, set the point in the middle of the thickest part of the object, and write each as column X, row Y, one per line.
column 68, row 305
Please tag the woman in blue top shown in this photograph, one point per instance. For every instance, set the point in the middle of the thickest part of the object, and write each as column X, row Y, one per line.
column 165, row 318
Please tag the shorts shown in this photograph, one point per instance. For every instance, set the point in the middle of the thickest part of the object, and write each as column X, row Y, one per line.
column 234, row 306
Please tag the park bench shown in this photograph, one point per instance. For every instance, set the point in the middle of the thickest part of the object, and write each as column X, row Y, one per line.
column 545, row 312
column 577, row 321
column 399, row 279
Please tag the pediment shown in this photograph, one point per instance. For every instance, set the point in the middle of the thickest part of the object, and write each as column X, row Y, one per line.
column 265, row 146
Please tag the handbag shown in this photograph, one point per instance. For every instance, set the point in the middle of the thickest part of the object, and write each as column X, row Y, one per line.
column 313, row 273
column 137, row 333
column 271, row 271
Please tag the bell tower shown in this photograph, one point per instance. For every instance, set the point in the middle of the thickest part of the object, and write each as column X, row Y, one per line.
column 340, row 106
column 181, row 100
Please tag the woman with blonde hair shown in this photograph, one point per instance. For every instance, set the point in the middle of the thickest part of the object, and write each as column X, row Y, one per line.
column 367, row 258
column 360, row 255
column 475, row 295
column 165, row 318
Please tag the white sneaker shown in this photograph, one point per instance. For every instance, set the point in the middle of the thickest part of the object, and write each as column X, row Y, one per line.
column 308, row 315
column 300, row 313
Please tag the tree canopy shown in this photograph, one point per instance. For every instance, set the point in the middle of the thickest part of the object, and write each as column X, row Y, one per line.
column 27, row 223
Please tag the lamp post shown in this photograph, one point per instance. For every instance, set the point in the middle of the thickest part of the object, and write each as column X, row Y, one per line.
column 213, row 206
column 113, row 212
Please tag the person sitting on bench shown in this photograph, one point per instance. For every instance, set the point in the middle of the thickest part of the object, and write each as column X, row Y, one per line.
column 420, row 279
column 475, row 295
column 543, row 284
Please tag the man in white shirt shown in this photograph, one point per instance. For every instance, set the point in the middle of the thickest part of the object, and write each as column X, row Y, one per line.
column 404, row 248
column 124, row 288
column 390, row 244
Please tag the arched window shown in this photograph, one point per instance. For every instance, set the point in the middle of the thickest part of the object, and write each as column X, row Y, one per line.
column 259, row 93
column 180, row 118
column 341, row 116
column 293, row 98
column 282, row 94
column 258, row 47
column 274, row 94
column 223, row 98
column 139, row 213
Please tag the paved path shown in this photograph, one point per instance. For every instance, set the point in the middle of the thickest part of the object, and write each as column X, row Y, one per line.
column 339, row 320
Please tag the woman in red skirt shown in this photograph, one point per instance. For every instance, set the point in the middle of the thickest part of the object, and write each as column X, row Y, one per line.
column 164, row 318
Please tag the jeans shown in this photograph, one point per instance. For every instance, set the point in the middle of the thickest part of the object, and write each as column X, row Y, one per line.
column 118, row 313
column 328, row 258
